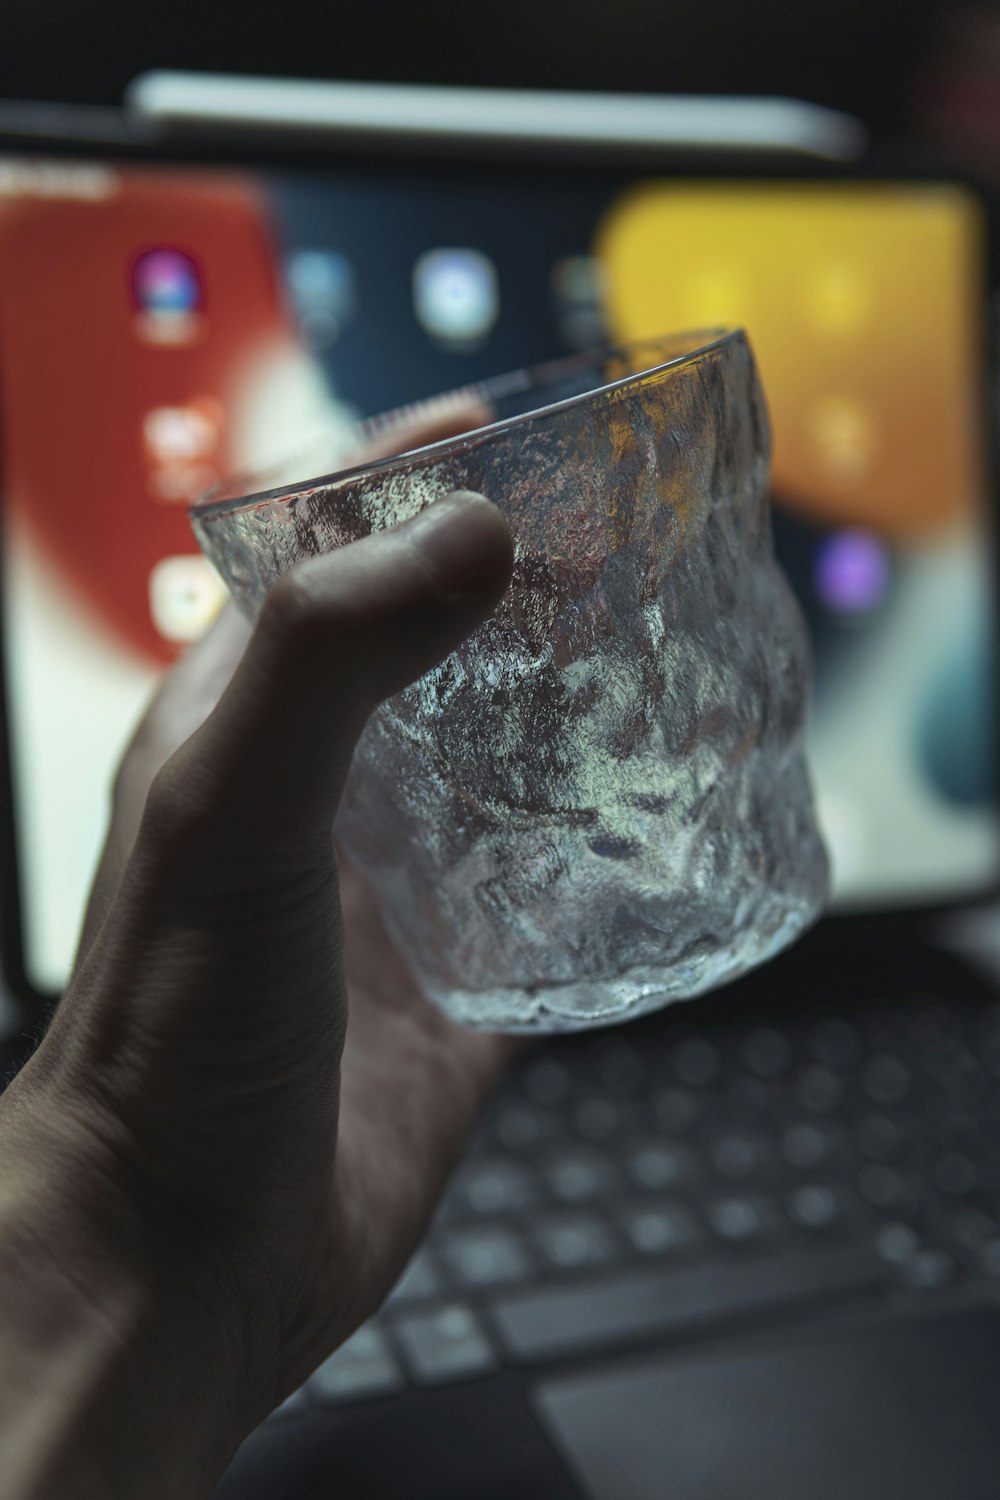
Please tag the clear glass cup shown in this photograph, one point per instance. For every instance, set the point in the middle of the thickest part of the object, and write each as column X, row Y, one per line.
column 599, row 803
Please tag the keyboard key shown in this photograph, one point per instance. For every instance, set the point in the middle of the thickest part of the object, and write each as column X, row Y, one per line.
column 970, row 1228
column 767, row 1052
column 573, row 1241
column 737, row 1157
column 747, row 1099
column 883, row 1187
column 897, row 1243
column 835, row 1043
column 742, row 1220
column 598, row 1119
column 661, row 1228
column 814, row 1206
column 946, row 1121
column 557, row 1321
column 819, row 1090
column 494, row 1186
column 928, row 1269
column 578, row 1173
column 653, row 1165
column 887, row 1080
column 695, row 1062
column 620, row 1068
column 490, row 1256
column 418, row 1283
column 880, row 1138
column 806, row 1145
column 448, row 1344
column 547, row 1082
column 364, row 1366
column 956, row 1174
column 518, row 1128
column 675, row 1110
column 951, row 1064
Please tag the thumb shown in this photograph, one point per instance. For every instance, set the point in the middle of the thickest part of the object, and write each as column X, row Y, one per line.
column 263, row 775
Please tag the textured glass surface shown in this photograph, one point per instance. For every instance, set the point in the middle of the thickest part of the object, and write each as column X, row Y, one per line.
column 599, row 804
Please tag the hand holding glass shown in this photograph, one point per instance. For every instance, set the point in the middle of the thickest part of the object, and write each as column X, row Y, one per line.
column 599, row 803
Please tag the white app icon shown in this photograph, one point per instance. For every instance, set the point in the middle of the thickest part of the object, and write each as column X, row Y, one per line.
column 456, row 296
column 185, row 595
column 181, row 432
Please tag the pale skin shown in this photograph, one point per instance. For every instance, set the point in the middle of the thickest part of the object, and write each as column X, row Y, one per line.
column 235, row 1131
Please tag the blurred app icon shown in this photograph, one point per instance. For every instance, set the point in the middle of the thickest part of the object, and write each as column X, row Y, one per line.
column 843, row 435
column 579, row 279
column 578, row 286
column 167, row 296
column 456, row 296
column 321, row 288
column 185, row 595
column 182, row 432
column 837, row 296
column 182, row 446
column 853, row 572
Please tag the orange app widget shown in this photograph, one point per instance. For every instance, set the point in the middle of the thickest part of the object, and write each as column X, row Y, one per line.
column 127, row 316
column 861, row 303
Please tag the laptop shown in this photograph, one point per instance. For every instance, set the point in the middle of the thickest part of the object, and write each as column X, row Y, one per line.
column 749, row 1246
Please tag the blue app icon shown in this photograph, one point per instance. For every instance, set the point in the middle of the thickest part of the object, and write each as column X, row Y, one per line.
column 321, row 289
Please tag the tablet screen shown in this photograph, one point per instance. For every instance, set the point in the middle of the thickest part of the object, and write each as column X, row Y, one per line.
column 163, row 325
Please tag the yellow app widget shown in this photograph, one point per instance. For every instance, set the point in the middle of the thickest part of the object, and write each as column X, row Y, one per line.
column 861, row 303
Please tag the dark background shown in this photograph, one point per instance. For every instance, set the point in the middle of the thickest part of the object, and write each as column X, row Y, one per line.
column 868, row 56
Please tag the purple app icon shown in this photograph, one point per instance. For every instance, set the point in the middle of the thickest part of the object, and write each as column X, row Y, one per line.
column 852, row 572
column 166, row 283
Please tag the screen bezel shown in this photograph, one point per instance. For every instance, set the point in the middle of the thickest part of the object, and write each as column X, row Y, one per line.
column 54, row 132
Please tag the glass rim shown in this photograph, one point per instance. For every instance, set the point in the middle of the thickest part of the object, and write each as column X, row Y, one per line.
column 702, row 341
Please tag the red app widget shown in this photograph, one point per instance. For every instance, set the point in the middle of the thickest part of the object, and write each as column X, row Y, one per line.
column 126, row 318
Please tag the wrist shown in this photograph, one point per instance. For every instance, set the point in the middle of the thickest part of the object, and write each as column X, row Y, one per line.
column 112, row 1359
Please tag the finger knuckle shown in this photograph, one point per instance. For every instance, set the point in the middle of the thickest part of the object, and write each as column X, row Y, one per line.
column 292, row 613
column 178, row 812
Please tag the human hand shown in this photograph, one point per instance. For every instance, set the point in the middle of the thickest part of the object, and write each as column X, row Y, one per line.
column 225, row 1169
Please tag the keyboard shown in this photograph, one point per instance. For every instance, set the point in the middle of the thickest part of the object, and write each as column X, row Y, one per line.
column 635, row 1186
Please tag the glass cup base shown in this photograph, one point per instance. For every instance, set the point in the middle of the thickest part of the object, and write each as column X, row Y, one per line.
column 545, row 1009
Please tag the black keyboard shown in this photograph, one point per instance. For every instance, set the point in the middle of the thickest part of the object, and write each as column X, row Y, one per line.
column 665, row 1178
